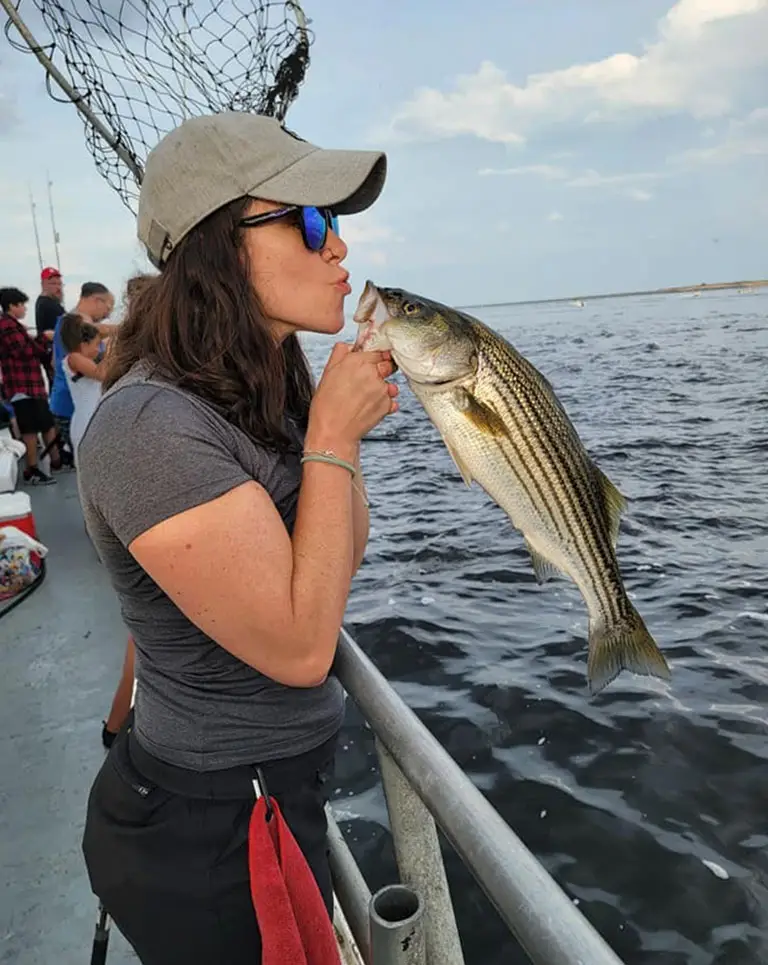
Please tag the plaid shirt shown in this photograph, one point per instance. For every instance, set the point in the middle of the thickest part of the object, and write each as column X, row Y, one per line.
column 20, row 358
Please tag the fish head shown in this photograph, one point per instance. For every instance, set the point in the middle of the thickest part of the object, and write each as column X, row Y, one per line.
column 429, row 342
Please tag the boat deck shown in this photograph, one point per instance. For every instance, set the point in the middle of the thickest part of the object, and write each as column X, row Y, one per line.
column 61, row 652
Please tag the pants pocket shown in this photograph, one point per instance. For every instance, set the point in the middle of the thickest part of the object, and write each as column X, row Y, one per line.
column 124, row 814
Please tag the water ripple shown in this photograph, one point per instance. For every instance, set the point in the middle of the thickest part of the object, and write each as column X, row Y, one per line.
column 647, row 803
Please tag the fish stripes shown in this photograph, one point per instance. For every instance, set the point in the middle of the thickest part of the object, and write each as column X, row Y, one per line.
column 543, row 445
column 505, row 428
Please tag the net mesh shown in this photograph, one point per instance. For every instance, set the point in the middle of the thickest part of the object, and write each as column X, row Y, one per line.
column 142, row 66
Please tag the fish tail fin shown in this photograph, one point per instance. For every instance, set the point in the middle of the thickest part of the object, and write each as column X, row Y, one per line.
column 626, row 645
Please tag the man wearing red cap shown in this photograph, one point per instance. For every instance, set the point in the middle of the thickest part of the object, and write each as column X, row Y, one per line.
column 48, row 306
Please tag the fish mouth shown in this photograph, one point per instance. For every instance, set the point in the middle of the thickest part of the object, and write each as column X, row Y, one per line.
column 371, row 314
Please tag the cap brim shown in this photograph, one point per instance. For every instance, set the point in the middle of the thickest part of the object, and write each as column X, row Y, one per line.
column 347, row 181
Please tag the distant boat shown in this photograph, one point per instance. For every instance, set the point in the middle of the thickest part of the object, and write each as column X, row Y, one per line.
column 577, row 303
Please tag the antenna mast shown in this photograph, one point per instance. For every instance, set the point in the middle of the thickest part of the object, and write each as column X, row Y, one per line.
column 34, row 225
column 53, row 222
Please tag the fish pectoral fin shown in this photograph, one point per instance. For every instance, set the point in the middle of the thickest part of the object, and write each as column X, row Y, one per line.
column 543, row 568
column 481, row 415
column 615, row 503
column 464, row 470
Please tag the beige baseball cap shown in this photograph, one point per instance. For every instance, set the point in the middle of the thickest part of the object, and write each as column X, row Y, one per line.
column 211, row 160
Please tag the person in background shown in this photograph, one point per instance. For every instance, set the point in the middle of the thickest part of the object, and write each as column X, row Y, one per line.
column 81, row 341
column 121, row 700
column 48, row 308
column 84, row 373
column 95, row 305
column 22, row 358
column 49, row 304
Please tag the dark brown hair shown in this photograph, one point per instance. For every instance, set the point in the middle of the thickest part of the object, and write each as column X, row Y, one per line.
column 75, row 330
column 199, row 325
column 135, row 284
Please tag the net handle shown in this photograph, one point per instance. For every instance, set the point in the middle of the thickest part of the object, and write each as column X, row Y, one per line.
column 52, row 70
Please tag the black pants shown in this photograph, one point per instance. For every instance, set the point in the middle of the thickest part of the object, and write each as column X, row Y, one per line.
column 167, row 851
column 32, row 416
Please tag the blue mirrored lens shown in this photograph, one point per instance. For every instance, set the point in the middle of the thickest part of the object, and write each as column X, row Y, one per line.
column 315, row 227
column 335, row 224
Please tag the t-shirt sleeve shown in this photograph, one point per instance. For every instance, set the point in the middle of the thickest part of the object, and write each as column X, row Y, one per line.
column 150, row 453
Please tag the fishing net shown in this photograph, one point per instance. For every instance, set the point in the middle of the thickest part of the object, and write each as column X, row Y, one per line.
column 139, row 67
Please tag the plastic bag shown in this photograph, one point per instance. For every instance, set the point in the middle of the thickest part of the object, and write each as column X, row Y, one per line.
column 11, row 450
column 20, row 561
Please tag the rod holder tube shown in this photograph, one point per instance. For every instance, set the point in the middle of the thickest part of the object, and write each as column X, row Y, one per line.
column 396, row 923
column 420, row 862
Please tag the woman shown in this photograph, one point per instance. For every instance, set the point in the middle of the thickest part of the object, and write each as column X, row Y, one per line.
column 226, row 501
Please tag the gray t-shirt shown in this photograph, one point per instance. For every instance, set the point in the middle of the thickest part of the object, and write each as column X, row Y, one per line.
column 151, row 451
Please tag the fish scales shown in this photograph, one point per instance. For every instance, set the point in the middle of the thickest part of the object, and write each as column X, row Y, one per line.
column 505, row 428
column 511, row 386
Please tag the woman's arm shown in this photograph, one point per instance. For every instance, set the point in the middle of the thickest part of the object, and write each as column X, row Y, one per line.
column 273, row 600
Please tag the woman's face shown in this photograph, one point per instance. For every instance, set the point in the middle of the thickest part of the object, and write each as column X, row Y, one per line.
column 298, row 289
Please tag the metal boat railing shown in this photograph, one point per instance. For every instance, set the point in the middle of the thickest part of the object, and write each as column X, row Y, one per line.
column 412, row 922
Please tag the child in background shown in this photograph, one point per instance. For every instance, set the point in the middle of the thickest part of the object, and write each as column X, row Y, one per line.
column 83, row 371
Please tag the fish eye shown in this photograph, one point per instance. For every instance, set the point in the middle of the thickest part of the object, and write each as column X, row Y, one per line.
column 409, row 308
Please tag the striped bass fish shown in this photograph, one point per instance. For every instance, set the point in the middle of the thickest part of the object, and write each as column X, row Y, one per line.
column 505, row 428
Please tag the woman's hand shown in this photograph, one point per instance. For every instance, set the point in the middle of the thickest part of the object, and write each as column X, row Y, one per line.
column 351, row 398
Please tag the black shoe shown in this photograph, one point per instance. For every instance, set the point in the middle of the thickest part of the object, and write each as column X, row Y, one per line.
column 36, row 477
column 66, row 461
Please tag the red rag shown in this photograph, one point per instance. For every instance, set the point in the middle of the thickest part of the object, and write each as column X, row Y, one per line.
column 293, row 921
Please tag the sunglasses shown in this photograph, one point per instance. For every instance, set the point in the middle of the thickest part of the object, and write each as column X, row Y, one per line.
column 314, row 222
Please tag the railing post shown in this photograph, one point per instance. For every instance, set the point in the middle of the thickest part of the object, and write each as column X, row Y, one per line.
column 350, row 886
column 420, row 862
column 535, row 908
column 397, row 932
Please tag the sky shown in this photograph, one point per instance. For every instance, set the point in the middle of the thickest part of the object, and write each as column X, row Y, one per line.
column 535, row 150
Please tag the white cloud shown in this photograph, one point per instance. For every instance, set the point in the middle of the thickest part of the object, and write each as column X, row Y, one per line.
column 627, row 184
column 698, row 64
column 554, row 216
column 592, row 179
column 549, row 171
column 746, row 137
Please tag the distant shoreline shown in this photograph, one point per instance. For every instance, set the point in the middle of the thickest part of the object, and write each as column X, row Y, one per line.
column 677, row 290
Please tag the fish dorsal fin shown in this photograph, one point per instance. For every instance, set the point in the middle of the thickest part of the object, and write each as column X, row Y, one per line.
column 614, row 502
column 542, row 567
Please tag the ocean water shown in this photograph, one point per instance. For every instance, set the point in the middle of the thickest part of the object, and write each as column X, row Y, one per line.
column 648, row 803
